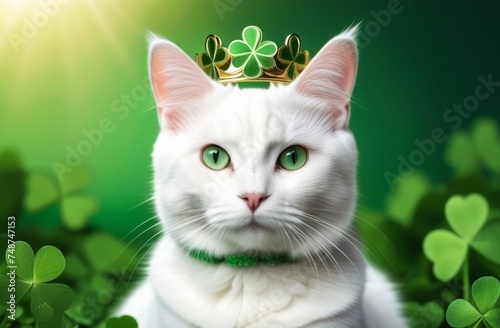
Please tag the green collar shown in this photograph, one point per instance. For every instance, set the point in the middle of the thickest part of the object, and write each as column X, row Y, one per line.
column 240, row 260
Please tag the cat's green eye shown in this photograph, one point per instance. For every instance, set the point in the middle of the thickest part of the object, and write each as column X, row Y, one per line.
column 215, row 157
column 293, row 158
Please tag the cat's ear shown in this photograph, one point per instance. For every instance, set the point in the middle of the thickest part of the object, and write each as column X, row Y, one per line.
column 331, row 74
column 176, row 79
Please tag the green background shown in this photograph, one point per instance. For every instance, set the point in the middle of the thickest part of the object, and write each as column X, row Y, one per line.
column 79, row 64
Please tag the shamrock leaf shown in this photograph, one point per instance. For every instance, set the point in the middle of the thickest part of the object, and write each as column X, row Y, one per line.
column 466, row 216
column 125, row 321
column 403, row 202
column 25, row 260
column 447, row 251
column 42, row 192
column 22, row 256
column 214, row 58
column 252, row 54
column 465, row 152
column 76, row 211
column 48, row 264
column 486, row 139
column 487, row 243
column 34, row 271
column 49, row 301
column 461, row 154
column 485, row 294
column 75, row 180
column 290, row 55
column 76, row 208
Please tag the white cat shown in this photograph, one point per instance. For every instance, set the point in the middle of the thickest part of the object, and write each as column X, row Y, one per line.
column 258, row 172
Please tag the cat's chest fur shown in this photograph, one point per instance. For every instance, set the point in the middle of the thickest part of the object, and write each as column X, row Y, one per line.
column 193, row 293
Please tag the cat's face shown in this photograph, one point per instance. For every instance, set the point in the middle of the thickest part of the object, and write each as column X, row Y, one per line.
column 255, row 170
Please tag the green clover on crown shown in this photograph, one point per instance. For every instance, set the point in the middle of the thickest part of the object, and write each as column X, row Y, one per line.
column 251, row 53
column 291, row 56
column 215, row 57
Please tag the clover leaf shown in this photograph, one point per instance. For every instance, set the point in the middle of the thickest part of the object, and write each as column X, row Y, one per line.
column 215, row 57
column 467, row 217
column 42, row 191
column 485, row 294
column 487, row 243
column 34, row 271
column 125, row 321
column 402, row 203
column 252, row 54
column 76, row 208
column 466, row 151
column 290, row 55
column 447, row 251
column 485, row 135
column 460, row 153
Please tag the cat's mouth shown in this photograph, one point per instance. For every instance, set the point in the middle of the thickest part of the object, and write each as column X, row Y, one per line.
column 253, row 226
column 256, row 226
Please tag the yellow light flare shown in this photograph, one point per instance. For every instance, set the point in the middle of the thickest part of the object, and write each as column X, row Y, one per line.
column 57, row 56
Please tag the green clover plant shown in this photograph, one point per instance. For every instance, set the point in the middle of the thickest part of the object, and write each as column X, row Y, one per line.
column 401, row 203
column 33, row 274
column 461, row 154
column 290, row 55
column 466, row 151
column 448, row 250
column 252, row 54
column 482, row 310
column 215, row 57
column 76, row 207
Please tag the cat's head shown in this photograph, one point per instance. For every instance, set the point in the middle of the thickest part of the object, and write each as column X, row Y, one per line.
column 255, row 170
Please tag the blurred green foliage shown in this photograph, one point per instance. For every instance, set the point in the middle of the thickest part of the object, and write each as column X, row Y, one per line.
column 49, row 302
column 76, row 207
column 456, row 223
column 96, row 268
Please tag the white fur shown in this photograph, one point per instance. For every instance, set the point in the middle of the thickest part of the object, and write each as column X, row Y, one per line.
column 307, row 214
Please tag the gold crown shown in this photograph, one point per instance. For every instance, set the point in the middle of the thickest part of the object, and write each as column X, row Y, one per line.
column 253, row 60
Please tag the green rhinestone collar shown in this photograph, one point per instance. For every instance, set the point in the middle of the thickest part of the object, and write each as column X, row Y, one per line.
column 240, row 260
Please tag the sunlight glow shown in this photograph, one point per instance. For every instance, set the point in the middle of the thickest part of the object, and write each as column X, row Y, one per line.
column 71, row 46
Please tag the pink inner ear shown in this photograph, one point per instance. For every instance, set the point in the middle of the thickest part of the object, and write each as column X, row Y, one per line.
column 170, row 117
column 176, row 80
column 330, row 77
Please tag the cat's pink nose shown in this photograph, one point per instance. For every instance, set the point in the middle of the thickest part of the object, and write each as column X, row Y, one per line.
column 253, row 200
